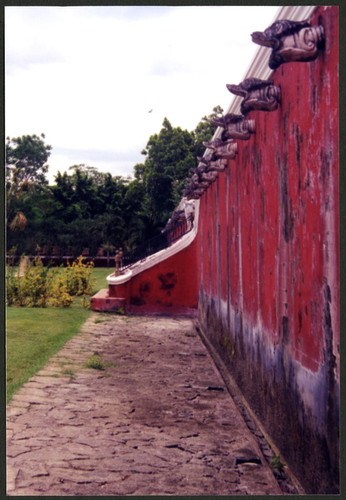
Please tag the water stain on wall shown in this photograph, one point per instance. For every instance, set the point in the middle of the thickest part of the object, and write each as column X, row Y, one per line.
column 168, row 282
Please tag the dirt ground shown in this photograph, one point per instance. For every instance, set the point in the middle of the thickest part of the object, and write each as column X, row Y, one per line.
column 156, row 420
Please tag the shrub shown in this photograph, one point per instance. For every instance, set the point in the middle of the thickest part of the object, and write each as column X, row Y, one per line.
column 78, row 277
column 59, row 296
column 35, row 286
column 30, row 290
column 13, row 287
column 41, row 287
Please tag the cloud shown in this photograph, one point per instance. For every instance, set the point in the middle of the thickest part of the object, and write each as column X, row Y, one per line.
column 138, row 13
column 61, row 160
column 24, row 59
column 162, row 67
column 95, row 155
column 87, row 76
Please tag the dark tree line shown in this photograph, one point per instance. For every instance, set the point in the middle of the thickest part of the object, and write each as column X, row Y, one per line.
column 85, row 208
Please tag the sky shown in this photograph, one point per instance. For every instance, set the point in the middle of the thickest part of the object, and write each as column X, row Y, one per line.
column 99, row 81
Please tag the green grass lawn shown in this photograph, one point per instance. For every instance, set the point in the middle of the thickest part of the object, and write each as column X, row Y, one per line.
column 99, row 276
column 36, row 334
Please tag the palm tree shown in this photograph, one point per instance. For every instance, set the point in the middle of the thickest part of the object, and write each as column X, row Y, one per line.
column 19, row 222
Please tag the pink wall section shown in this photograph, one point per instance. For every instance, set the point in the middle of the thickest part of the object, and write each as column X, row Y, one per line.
column 268, row 230
column 169, row 287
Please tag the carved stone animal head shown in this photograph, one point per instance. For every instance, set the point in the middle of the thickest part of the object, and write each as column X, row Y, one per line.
column 222, row 148
column 213, row 144
column 248, row 85
column 282, row 27
column 239, row 128
column 257, row 94
column 291, row 41
column 226, row 120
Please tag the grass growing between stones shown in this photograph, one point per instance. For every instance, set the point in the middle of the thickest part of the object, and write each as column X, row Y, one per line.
column 96, row 362
column 34, row 335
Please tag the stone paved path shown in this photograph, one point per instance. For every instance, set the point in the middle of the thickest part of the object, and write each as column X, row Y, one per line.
column 157, row 420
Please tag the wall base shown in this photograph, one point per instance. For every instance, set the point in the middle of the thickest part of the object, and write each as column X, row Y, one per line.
column 102, row 302
column 268, row 380
column 287, row 480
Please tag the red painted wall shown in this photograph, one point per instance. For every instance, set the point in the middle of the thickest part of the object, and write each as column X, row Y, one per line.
column 269, row 269
column 264, row 267
column 170, row 287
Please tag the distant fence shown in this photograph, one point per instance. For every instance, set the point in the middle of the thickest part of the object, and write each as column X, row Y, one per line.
column 58, row 260
column 159, row 242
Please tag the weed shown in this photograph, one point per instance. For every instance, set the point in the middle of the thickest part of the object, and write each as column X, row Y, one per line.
column 68, row 372
column 277, row 465
column 102, row 320
column 63, row 363
column 227, row 345
column 96, row 362
column 108, row 316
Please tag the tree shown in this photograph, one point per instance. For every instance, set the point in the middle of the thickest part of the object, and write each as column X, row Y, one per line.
column 40, row 211
column 169, row 156
column 205, row 130
column 132, row 212
column 92, row 206
column 88, row 208
column 26, row 166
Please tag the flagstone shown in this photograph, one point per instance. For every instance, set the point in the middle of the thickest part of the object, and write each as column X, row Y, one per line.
column 159, row 422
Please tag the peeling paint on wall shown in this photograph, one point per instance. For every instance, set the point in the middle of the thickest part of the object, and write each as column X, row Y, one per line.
column 269, row 292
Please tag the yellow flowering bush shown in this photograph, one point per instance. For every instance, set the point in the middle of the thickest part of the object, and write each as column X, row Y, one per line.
column 35, row 286
column 29, row 290
column 41, row 286
column 78, row 277
column 58, row 293
column 14, row 288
